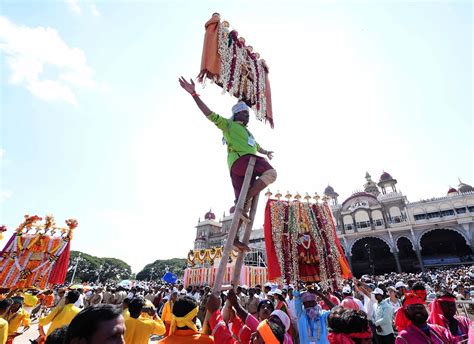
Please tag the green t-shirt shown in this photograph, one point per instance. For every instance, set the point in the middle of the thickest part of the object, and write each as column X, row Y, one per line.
column 239, row 140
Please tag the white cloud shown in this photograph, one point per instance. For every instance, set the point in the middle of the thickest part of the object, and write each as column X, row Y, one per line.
column 4, row 195
column 29, row 50
column 94, row 10
column 74, row 6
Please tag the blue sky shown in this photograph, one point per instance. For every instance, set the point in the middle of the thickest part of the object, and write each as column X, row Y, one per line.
column 94, row 125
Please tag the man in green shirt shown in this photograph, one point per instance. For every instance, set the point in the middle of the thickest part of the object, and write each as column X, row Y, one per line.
column 241, row 145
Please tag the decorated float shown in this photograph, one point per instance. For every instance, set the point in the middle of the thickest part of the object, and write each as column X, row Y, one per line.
column 203, row 265
column 37, row 253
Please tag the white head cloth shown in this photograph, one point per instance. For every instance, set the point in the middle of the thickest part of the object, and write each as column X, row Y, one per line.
column 240, row 106
column 283, row 317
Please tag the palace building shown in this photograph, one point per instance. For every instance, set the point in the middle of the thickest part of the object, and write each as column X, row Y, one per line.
column 380, row 230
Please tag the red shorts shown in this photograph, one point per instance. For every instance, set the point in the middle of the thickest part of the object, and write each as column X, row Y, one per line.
column 237, row 172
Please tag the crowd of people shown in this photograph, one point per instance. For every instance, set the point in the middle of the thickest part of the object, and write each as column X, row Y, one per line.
column 390, row 308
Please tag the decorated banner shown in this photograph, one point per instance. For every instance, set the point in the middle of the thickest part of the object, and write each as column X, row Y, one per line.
column 233, row 65
column 210, row 256
column 36, row 255
column 250, row 275
column 302, row 245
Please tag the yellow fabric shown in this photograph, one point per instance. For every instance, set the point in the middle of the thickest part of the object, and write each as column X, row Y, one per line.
column 138, row 331
column 126, row 314
column 167, row 314
column 266, row 332
column 30, row 300
column 3, row 331
column 187, row 321
column 59, row 317
column 15, row 320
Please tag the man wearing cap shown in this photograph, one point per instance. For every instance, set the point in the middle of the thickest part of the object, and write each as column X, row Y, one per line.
column 401, row 288
column 349, row 301
column 312, row 320
column 411, row 323
column 16, row 317
column 393, row 298
column 241, row 145
column 383, row 318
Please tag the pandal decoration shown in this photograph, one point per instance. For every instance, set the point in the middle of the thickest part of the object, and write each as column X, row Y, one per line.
column 234, row 66
column 301, row 242
column 36, row 254
column 250, row 275
column 208, row 256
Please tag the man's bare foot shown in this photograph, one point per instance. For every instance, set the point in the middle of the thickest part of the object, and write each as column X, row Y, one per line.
column 245, row 211
column 240, row 246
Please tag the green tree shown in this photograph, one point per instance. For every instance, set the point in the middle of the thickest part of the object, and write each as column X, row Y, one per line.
column 157, row 269
column 93, row 269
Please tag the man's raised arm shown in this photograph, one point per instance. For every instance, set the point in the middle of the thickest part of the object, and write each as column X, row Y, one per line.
column 191, row 89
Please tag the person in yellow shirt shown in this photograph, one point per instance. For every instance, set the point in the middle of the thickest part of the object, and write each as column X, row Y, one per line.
column 31, row 300
column 17, row 317
column 167, row 313
column 125, row 312
column 98, row 324
column 61, row 315
column 4, row 306
column 138, row 330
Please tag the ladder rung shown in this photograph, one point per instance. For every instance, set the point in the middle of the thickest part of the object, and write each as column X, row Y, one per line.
column 245, row 218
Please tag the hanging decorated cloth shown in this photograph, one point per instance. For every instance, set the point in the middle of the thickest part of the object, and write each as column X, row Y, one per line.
column 302, row 245
column 231, row 64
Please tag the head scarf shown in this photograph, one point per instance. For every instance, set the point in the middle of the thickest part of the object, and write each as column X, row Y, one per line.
column 421, row 293
column 187, row 320
column 240, row 106
column 308, row 297
column 436, row 311
column 266, row 332
column 283, row 317
column 401, row 320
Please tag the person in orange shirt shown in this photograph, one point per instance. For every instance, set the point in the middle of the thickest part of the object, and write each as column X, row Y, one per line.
column 183, row 327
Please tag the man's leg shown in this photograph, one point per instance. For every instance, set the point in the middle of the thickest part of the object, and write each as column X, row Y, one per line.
column 266, row 175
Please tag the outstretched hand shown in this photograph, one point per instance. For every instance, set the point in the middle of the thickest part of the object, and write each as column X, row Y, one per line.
column 270, row 155
column 232, row 298
column 189, row 87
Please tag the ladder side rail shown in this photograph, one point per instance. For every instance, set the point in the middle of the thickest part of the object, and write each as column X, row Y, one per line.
column 233, row 228
column 248, row 231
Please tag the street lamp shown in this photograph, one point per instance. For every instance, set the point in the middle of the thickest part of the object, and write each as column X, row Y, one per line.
column 76, row 261
column 371, row 261
column 151, row 275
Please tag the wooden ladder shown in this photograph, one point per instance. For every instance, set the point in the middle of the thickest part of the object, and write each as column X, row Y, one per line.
column 234, row 228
